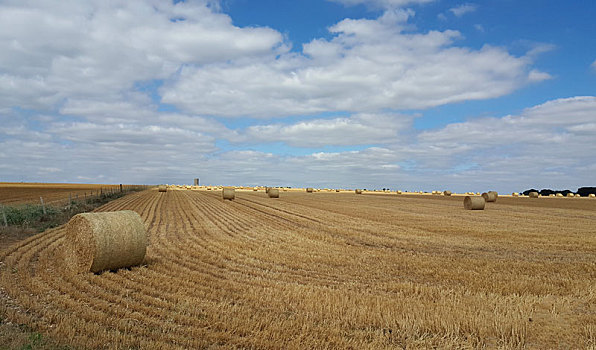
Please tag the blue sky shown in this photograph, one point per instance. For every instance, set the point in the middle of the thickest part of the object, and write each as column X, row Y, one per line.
column 405, row 94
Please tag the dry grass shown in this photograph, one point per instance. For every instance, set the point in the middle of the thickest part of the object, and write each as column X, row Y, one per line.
column 370, row 271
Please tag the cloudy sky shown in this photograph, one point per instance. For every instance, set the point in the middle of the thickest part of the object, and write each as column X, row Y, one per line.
column 404, row 94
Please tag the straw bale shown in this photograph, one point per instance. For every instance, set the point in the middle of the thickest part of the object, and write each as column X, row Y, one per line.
column 474, row 203
column 570, row 195
column 592, row 195
column 163, row 188
column 533, row 194
column 559, row 195
column 447, row 193
column 228, row 193
column 489, row 196
column 273, row 193
column 309, row 190
column 515, row 194
column 358, row 191
column 97, row 242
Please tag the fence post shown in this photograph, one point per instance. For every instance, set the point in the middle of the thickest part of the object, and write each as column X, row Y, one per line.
column 4, row 216
column 43, row 206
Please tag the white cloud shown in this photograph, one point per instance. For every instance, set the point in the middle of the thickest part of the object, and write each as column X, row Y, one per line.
column 461, row 10
column 360, row 129
column 370, row 65
column 55, row 50
column 386, row 4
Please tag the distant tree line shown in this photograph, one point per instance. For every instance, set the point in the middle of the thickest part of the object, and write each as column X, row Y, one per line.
column 582, row 191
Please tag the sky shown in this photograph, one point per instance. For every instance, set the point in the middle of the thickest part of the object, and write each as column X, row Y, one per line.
column 400, row 94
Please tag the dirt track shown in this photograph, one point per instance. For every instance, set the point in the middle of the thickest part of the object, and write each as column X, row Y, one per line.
column 324, row 270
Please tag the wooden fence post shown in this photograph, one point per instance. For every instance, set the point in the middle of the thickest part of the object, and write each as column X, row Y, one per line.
column 4, row 216
column 43, row 206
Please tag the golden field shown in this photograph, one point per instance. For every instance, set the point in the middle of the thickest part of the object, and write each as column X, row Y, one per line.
column 12, row 193
column 323, row 270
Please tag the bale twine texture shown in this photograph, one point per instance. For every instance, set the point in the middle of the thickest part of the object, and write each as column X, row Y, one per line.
column 447, row 193
column 474, row 203
column 97, row 242
column 228, row 193
column 309, row 190
column 533, row 194
column 489, row 196
column 163, row 188
column 273, row 193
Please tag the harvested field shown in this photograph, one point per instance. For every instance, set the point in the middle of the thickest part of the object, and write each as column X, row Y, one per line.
column 29, row 193
column 333, row 270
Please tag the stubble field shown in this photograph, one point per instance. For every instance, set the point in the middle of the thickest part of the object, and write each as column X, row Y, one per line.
column 12, row 193
column 323, row 270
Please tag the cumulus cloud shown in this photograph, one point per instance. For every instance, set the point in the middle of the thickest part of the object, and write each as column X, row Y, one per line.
column 463, row 9
column 369, row 65
column 359, row 129
column 57, row 50
column 387, row 4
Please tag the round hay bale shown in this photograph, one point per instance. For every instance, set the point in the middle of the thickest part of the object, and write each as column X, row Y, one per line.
column 228, row 193
column 97, row 242
column 336, row 190
column 273, row 193
column 551, row 195
column 309, row 190
column 358, row 191
column 559, row 195
column 533, row 194
column 489, row 196
column 570, row 195
column 398, row 192
column 447, row 193
column 474, row 203
column 515, row 194
column 255, row 189
column 163, row 188
column 578, row 195
column 592, row 195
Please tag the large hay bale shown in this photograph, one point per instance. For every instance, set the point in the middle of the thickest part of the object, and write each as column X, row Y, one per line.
column 273, row 193
column 570, row 195
column 447, row 193
column 228, row 193
column 559, row 195
column 398, row 192
column 515, row 194
column 533, row 194
column 309, row 190
column 489, row 196
column 255, row 189
column 474, row 203
column 336, row 190
column 97, row 242
column 163, row 188
column 592, row 195
column 578, row 195
column 358, row 191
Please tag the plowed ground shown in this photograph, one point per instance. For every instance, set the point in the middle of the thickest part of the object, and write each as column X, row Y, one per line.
column 323, row 271
column 23, row 193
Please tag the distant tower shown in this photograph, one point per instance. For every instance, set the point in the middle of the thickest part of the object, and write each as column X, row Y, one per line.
column 196, row 182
